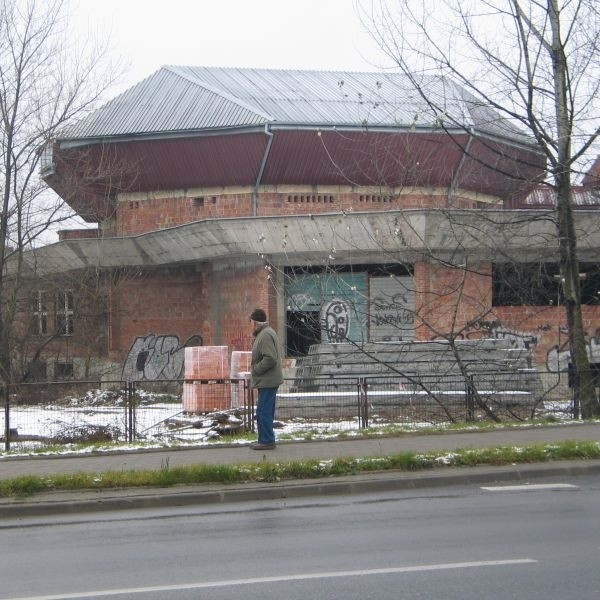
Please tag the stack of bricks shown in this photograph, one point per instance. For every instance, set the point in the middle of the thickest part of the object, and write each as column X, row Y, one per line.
column 209, row 364
column 240, row 369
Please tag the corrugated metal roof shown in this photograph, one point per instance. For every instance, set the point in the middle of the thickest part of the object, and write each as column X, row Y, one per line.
column 184, row 98
column 546, row 196
column 165, row 102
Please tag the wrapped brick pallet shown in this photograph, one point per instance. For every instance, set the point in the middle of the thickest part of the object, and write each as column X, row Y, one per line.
column 240, row 369
column 209, row 363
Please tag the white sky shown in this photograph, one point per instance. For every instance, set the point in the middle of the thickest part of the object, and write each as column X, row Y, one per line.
column 289, row 34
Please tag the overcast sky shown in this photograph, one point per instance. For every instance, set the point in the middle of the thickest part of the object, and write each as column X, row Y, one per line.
column 300, row 34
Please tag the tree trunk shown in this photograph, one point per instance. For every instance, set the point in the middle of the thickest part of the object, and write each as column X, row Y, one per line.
column 583, row 389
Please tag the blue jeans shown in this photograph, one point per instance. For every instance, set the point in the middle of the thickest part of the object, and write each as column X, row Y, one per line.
column 265, row 414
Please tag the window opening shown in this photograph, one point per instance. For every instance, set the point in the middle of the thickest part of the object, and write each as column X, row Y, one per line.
column 39, row 309
column 63, row 370
column 64, row 312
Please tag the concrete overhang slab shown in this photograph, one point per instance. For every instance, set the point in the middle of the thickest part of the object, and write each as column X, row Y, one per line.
column 382, row 236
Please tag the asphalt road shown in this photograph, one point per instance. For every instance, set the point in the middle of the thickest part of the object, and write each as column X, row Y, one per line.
column 461, row 542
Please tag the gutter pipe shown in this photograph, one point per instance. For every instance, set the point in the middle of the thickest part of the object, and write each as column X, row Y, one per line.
column 454, row 182
column 261, row 171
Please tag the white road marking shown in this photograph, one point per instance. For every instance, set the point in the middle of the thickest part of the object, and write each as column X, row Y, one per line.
column 280, row 578
column 536, row 486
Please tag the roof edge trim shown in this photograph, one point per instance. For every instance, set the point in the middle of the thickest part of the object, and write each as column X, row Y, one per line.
column 67, row 143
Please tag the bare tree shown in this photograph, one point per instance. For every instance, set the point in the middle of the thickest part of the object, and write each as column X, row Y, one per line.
column 46, row 82
column 535, row 62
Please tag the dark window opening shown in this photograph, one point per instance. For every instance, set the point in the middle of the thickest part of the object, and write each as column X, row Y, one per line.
column 63, row 370
column 39, row 313
column 540, row 284
column 65, row 312
column 303, row 329
column 35, row 371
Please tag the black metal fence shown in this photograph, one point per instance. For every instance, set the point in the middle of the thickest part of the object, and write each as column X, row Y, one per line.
column 104, row 412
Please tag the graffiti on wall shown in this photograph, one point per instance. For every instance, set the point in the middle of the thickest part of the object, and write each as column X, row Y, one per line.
column 559, row 356
column 153, row 357
column 495, row 330
column 335, row 318
column 392, row 318
column 300, row 301
column 392, row 311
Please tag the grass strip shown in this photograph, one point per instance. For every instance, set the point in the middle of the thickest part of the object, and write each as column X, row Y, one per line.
column 309, row 469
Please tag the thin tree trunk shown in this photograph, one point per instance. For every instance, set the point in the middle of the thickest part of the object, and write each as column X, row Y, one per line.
column 583, row 390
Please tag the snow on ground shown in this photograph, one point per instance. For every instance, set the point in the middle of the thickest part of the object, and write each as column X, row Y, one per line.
column 101, row 417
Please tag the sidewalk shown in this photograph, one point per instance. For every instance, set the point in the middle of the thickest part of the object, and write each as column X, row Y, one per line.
column 70, row 502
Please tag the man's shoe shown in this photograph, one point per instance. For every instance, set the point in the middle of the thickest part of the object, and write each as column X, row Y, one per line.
column 261, row 446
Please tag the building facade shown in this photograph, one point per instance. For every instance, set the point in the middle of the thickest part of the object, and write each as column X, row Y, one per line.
column 340, row 202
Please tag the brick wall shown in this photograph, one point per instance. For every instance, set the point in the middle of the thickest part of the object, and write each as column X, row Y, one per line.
column 47, row 326
column 164, row 302
column 215, row 304
column 447, row 299
column 308, row 202
column 545, row 329
column 77, row 234
column 234, row 292
column 141, row 213
column 214, row 301
column 138, row 216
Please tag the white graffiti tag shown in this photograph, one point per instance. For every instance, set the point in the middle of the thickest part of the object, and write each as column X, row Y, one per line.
column 299, row 301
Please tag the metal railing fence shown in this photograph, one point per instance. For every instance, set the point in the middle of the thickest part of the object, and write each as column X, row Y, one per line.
column 76, row 412
column 65, row 412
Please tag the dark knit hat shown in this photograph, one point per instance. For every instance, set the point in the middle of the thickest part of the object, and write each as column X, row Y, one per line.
column 259, row 315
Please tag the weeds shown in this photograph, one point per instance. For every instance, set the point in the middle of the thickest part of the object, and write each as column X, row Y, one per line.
column 267, row 471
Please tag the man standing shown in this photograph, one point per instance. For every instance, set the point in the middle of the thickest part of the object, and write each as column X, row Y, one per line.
column 266, row 377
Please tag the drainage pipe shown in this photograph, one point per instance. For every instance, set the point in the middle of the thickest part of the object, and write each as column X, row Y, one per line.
column 261, row 171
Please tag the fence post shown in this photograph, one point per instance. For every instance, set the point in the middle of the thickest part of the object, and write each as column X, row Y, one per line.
column 130, row 425
column 128, row 411
column 249, row 395
column 126, row 415
column 363, row 405
column 470, row 398
column 6, row 417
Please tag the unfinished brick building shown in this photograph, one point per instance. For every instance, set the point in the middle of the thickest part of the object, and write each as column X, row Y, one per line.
column 342, row 203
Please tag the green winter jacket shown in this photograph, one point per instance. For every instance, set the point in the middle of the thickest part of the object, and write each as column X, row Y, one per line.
column 266, row 362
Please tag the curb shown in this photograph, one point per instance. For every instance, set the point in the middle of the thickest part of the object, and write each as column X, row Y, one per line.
column 99, row 501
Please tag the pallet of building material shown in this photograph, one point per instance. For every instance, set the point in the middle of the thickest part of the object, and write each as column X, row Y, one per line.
column 240, row 370
column 493, row 365
column 206, row 362
column 206, row 396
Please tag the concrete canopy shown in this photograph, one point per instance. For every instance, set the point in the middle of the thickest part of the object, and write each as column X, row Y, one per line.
column 394, row 236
